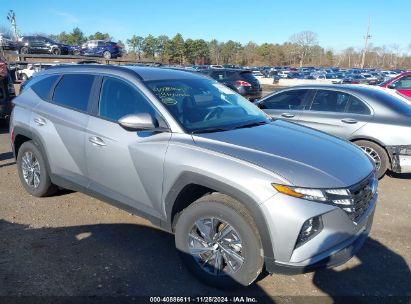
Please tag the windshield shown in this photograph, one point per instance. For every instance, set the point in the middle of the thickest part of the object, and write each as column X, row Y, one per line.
column 203, row 105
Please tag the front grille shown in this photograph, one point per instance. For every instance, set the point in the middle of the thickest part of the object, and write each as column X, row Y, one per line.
column 361, row 194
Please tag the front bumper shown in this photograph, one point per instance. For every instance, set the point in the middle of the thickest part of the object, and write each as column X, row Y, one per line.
column 338, row 241
column 400, row 158
column 337, row 256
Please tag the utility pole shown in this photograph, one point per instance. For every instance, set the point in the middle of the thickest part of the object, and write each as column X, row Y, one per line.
column 11, row 16
column 367, row 36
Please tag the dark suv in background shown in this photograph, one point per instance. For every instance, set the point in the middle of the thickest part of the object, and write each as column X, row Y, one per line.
column 241, row 81
column 42, row 45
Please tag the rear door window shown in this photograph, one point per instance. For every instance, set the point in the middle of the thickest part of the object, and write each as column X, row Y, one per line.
column 73, row 91
column 330, row 101
column 288, row 100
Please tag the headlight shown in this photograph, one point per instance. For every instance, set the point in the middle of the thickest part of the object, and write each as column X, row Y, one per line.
column 342, row 195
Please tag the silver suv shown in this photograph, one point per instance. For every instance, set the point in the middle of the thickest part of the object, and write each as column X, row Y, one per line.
column 241, row 192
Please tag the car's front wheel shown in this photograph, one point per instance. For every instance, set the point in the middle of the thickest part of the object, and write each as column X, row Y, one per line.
column 33, row 172
column 218, row 241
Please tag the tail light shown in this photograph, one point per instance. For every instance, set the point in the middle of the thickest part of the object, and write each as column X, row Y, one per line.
column 116, row 46
column 355, row 82
column 243, row 83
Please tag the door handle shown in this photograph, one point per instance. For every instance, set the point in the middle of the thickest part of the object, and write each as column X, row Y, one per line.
column 287, row 115
column 349, row 121
column 39, row 121
column 97, row 141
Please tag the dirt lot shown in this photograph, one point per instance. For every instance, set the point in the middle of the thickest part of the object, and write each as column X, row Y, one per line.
column 71, row 244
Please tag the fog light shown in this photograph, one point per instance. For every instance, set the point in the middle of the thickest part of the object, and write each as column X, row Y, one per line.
column 310, row 229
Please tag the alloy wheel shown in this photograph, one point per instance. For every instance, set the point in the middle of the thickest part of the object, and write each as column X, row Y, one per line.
column 30, row 167
column 373, row 154
column 216, row 246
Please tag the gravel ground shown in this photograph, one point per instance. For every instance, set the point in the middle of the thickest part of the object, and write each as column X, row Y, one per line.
column 74, row 245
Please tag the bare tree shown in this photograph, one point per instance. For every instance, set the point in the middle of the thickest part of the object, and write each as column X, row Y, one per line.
column 304, row 43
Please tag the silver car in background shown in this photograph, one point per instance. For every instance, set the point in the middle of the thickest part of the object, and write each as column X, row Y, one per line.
column 377, row 121
column 240, row 192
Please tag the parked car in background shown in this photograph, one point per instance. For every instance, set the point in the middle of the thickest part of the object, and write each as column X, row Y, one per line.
column 372, row 80
column 241, row 81
column 28, row 72
column 242, row 194
column 355, row 79
column 42, row 45
column 99, row 48
column 6, row 43
column 401, row 83
column 376, row 121
column 258, row 74
column 390, row 74
column 296, row 75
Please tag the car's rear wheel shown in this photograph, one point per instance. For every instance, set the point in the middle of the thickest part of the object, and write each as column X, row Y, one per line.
column 218, row 241
column 33, row 172
column 378, row 155
column 24, row 50
column 24, row 77
column 107, row 55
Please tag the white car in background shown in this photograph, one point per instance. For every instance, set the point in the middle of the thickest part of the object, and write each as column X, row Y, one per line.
column 28, row 72
column 257, row 74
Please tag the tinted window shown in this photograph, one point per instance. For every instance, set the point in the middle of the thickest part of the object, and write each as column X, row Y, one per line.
column 404, row 83
column 330, row 101
column 218, row 75
column 249, row 76
column 357, row 107
column 74, row 91
column 289, row 100
column 118, row 98
column 42, row 85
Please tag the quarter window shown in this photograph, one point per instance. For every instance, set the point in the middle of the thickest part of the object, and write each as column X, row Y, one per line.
column 118, row 98
column 358, row 107
column 73, row 91
column 289, row 100
column 42, row 86
column 330, row 101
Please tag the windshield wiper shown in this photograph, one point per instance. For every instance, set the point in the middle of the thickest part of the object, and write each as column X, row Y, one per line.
column 250, row 125
column 209, row 130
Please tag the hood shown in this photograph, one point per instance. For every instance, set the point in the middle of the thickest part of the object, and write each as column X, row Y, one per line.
column 305, row 157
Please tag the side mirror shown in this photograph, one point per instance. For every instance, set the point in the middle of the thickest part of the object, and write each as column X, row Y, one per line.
column 391, row 86
column 138, row 122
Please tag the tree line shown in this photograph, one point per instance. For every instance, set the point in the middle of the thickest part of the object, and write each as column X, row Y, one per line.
column 302, row 49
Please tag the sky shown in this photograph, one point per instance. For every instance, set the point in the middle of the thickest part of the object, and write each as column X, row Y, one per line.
column 339, row 24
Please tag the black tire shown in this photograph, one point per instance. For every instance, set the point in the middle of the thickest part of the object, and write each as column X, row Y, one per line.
column 233, row 213
column 76, row 53
column 56, row 51
column 24, row 50
column 376, row 152
column 24, row 77
column 107, row 55
column 45, row 187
